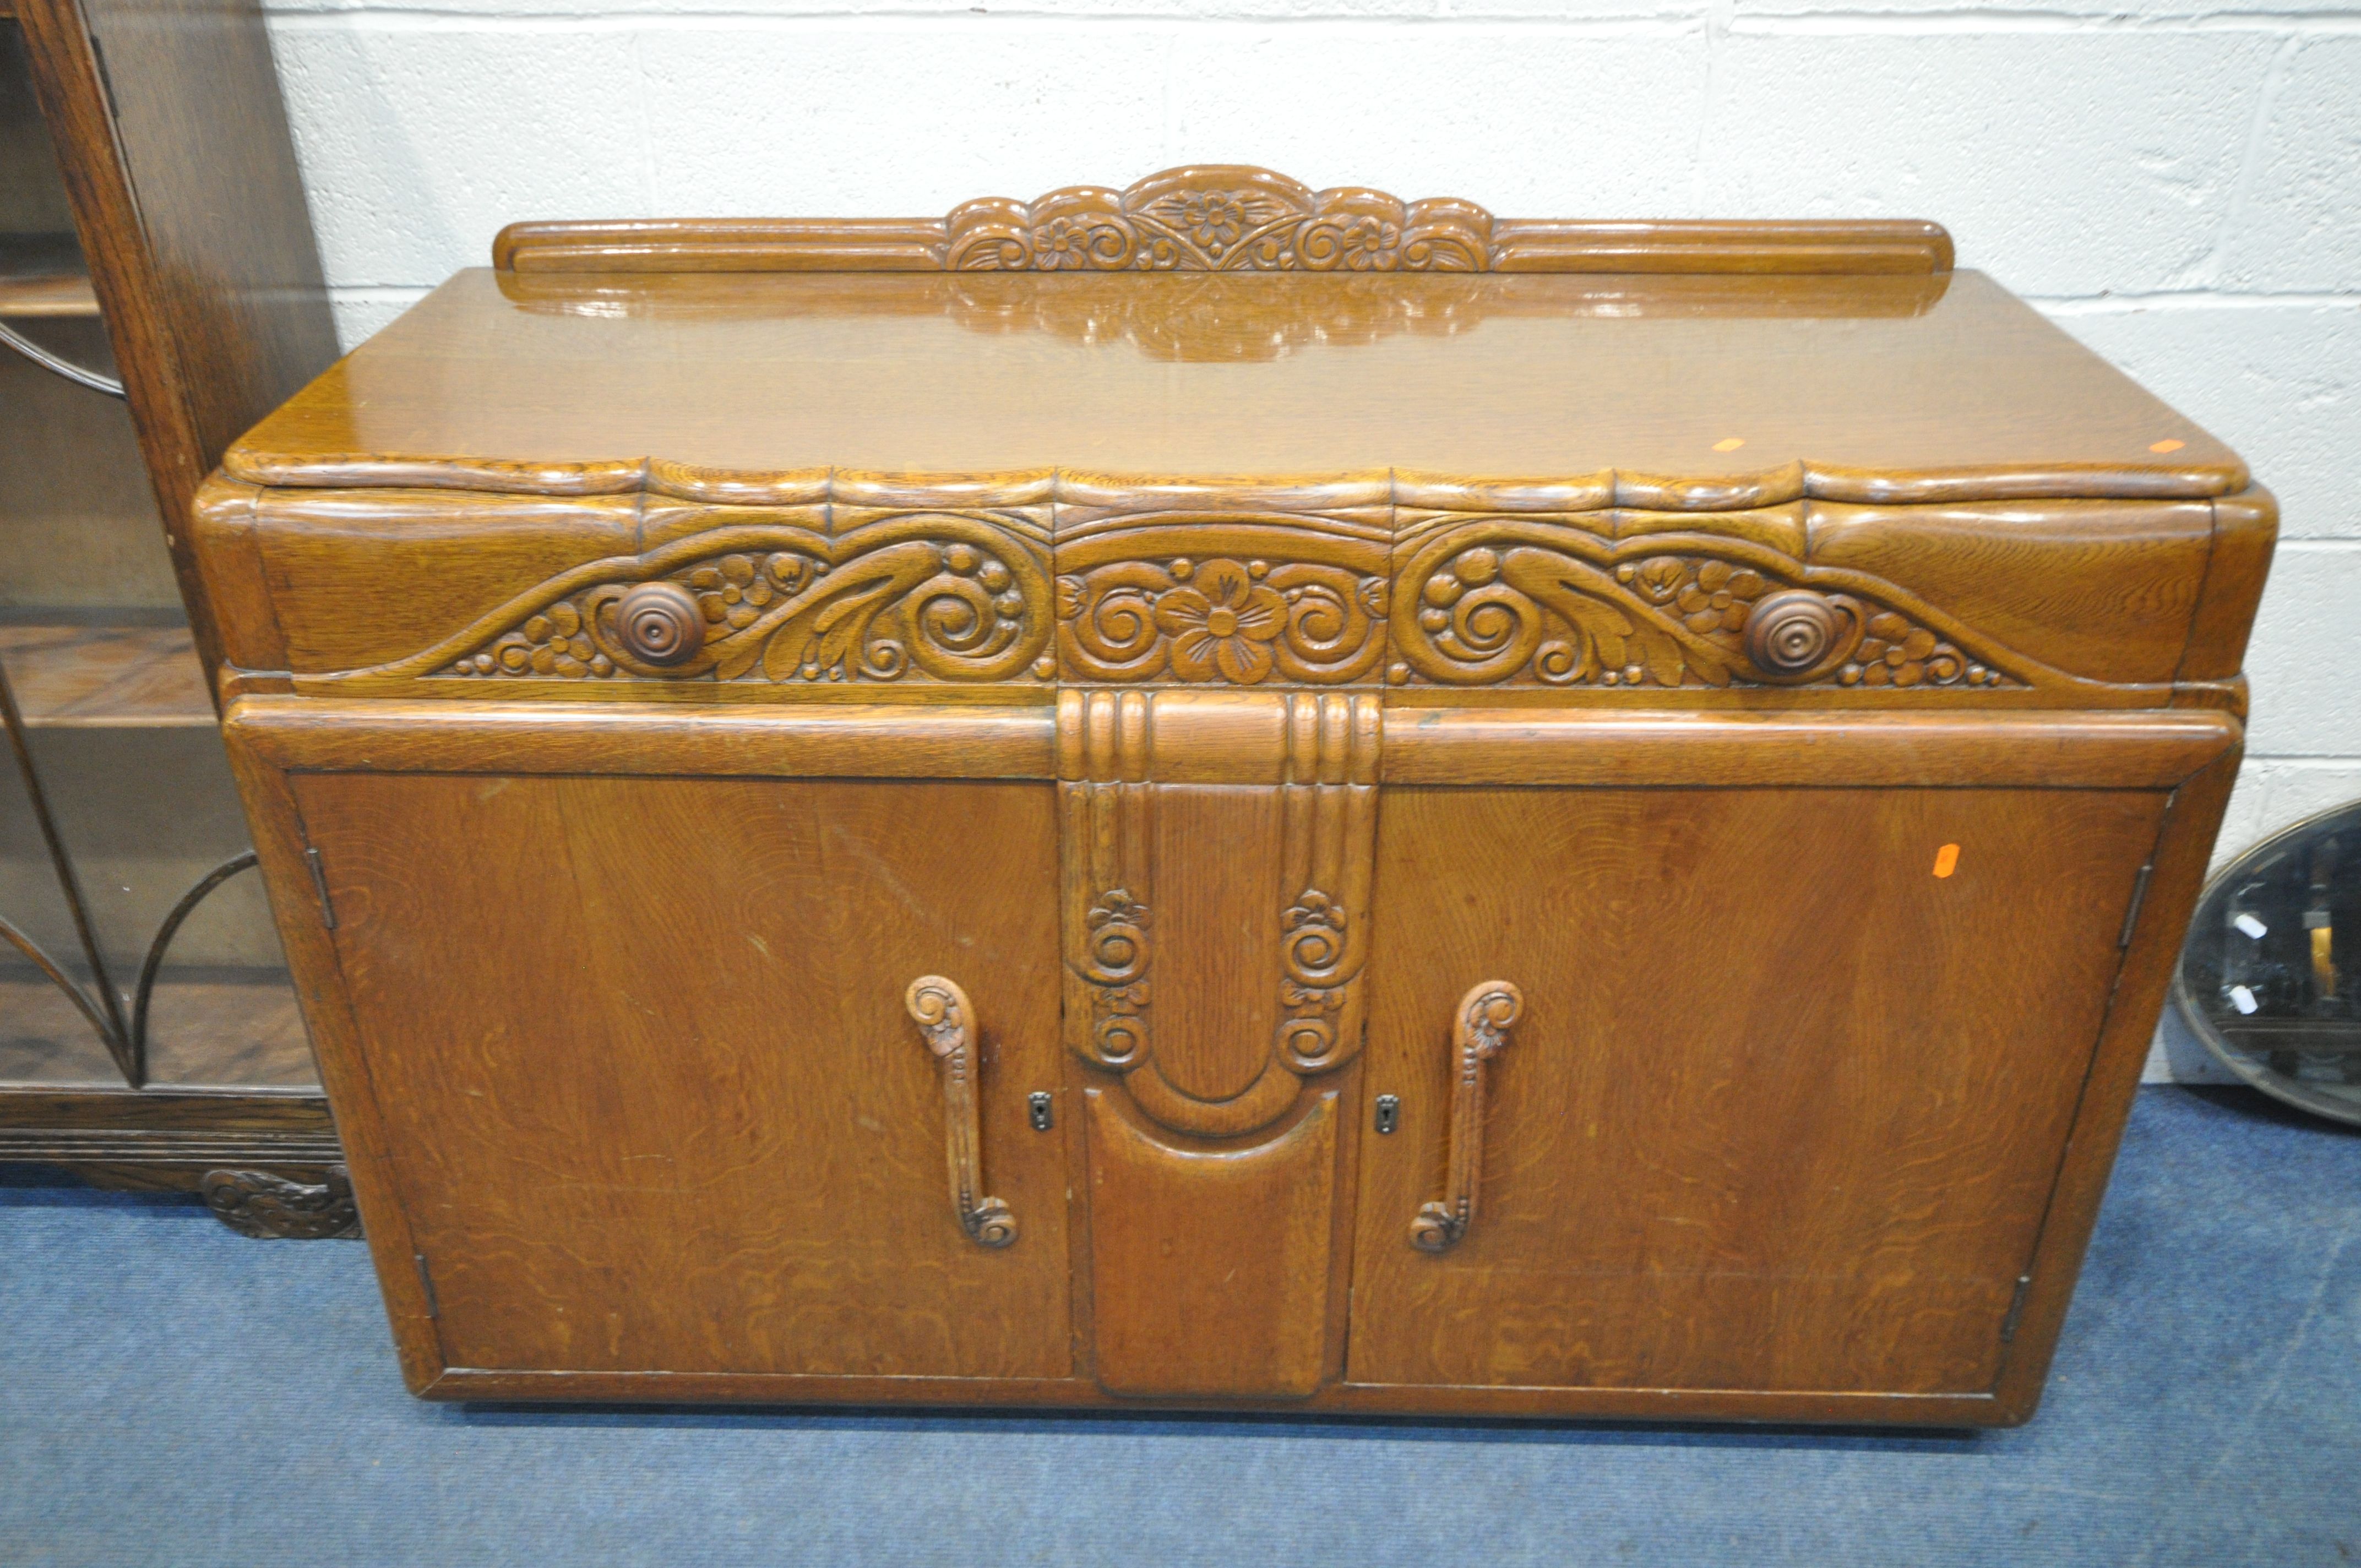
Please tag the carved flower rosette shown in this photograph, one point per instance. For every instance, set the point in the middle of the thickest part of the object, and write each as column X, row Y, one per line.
column 947, row 598
column 1235, row 622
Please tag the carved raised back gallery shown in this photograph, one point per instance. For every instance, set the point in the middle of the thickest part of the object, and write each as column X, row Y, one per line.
column 1221, row 219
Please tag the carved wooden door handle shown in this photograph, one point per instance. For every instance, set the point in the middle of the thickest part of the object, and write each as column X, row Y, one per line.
column 1485, row 1015
column 946, row 1021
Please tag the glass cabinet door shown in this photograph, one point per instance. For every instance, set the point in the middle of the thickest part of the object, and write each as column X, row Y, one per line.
column 138, row 949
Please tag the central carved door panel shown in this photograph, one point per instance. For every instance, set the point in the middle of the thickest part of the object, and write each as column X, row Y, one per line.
column 1218, row 858
column 679, row 1089
column 1782, row 1099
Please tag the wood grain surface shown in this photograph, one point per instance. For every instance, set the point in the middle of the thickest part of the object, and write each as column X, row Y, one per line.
column 1328, row 584
column 1976, row 397
column 1784, row 1108
column 1754, row 889
column 1525, row 746
column 2154, row 938
column 106, row 676
column 184, row 1127
column 1211, row 1269
column 847, row 741
column 862, row 491
column 725, row 1151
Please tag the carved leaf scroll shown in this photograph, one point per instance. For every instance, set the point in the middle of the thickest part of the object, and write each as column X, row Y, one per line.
column 1206, row 319
column 1275, row 600
column 1225, row 217
column 1517, row 603
column 948, row 597
column 1220, row 219
column 1115, row 964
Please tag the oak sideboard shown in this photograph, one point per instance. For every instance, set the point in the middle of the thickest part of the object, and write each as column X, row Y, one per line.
column 1225, row 795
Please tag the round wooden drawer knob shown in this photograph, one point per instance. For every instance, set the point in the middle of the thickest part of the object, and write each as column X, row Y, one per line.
column 659, row 623
column 1789, row 632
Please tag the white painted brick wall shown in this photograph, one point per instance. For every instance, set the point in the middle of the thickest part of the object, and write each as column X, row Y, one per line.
column 2178, row 183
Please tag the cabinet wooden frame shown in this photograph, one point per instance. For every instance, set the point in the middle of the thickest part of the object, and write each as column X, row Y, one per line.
column 181, row 123
column 1825, row 763
column 180, row 183
column 2185, row 757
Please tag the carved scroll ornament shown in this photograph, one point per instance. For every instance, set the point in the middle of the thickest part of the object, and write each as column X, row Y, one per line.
column 257, row 1203
column 1221, row 318
column 1506, row 601
column 1220, row 219
column 1322, row 860
column 1498, row 601
column 947, row 596
column 1225, row 218
column 1119, row 582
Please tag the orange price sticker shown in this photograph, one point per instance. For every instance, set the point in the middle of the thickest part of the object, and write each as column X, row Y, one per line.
column 2166, row 444
column 1946, row 859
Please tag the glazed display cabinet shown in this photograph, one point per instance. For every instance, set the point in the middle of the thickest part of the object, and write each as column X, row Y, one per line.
column 1229, row 796
column 158, row 292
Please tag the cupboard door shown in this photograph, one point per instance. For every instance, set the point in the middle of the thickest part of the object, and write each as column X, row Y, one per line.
column 1786, row 1094
column 652, row 1094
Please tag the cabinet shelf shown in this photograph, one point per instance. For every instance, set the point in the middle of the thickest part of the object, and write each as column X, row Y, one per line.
column 51, row 295
column 42, row 275
column 99, row 675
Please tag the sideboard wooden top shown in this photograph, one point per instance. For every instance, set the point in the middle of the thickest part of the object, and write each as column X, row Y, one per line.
column 1717, row 390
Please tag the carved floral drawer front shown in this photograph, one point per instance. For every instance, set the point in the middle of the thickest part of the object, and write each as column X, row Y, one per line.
column 1089, row 581
column 1560, row 602
column 885, row 595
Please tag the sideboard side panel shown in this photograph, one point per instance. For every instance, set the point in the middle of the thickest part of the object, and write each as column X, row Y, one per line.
column 362, row 1126
column 2155, row 933
column 2245, row 532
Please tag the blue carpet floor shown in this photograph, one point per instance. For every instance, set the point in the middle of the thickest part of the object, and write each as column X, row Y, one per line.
column 172, row 1394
